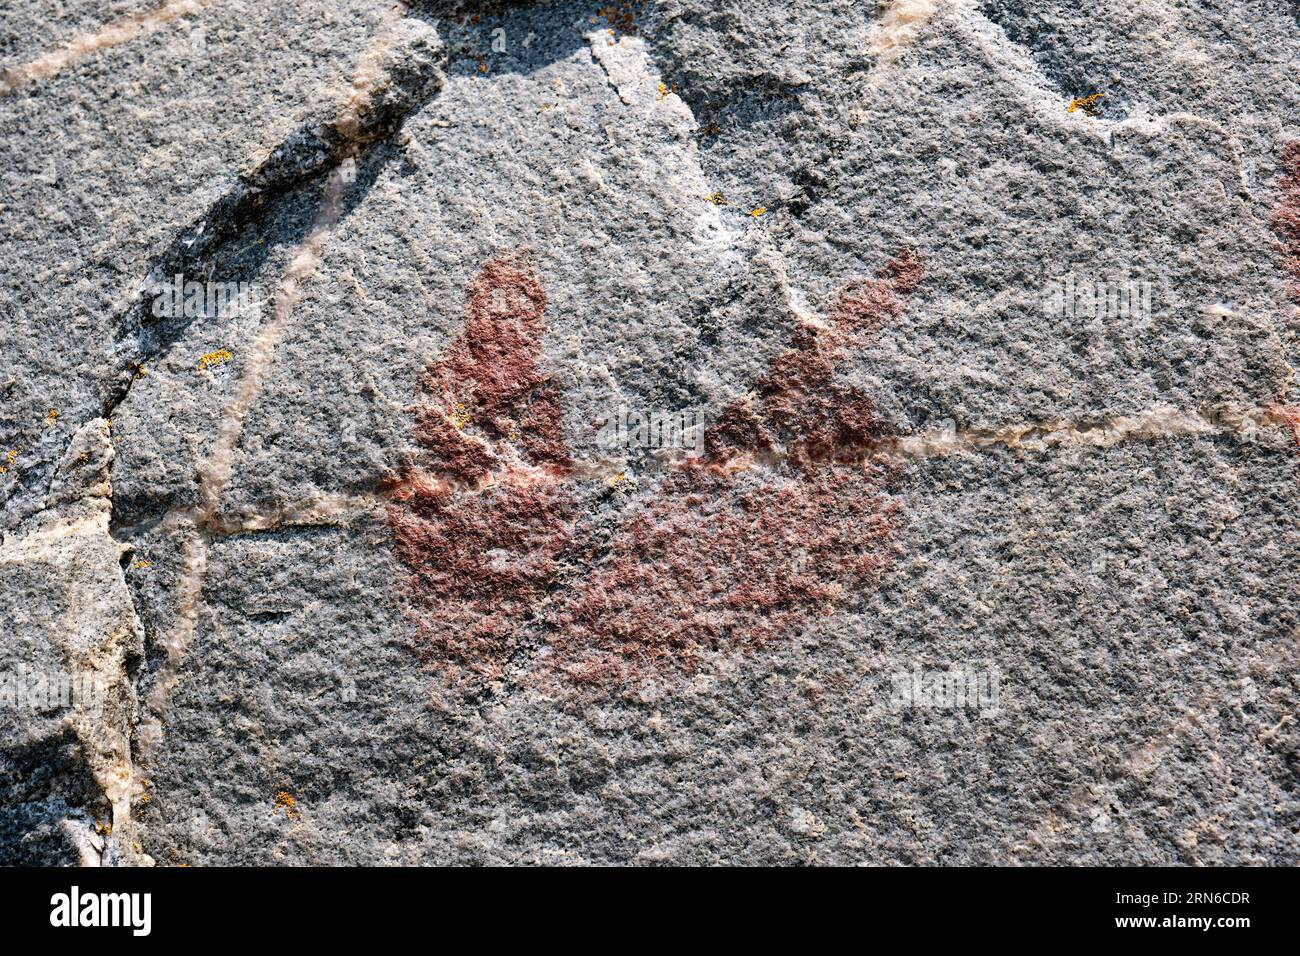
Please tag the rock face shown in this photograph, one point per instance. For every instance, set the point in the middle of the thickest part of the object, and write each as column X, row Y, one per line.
column 665, row 432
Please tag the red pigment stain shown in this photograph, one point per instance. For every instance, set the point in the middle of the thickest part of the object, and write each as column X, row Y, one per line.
column 781, row 519
column 1286, row 215
column 784, row 517
column 798, row 404
column 719, row 561
column 483, row 515
column 1290, row 414
column 1286, row 223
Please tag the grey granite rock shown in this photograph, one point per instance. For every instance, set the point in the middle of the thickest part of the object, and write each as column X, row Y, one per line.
column 343, row 569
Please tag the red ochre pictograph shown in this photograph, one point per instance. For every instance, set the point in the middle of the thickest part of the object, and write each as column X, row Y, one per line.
column 1286, row 215
column 1286, row 224
column 785, row 515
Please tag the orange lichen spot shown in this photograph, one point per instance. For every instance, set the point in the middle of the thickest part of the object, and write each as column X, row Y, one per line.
column 52, row 415
column 620, row 17
column 211, row 359
column 284, row 801
column 755, row 213
column 1086, row 103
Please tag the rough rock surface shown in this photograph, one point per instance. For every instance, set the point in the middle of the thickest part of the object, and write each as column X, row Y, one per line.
column 343, row 570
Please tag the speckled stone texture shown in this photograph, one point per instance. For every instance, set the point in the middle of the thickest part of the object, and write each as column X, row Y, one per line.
column 956, row 576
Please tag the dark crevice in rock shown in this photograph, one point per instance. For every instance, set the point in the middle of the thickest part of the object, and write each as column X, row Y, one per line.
column 485, row 39
column 45, row 779
column 284, row 222
column 271, row 206
column 1062, row 58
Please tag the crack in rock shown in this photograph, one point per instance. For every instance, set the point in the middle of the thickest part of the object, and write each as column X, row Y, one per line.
column 99, row 635
column 385, row 89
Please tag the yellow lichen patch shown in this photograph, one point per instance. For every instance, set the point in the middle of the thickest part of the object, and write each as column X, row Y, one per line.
column 215, row 358
column 459, row 417
column 716, row 198
column 9, row 460
column 665, row 89
column 616, row 480
column 284, row 801
column 105, row 828
column 755, row 213
column 140, row 373
column 141, row 565
column 1086, row 103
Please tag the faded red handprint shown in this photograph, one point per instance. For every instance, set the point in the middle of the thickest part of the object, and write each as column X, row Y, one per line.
column 483, row 517
column 784, row 515
column 1285, row 220
column 1285, row 217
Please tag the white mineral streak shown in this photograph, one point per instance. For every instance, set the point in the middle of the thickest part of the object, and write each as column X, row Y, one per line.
column 118, row 32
